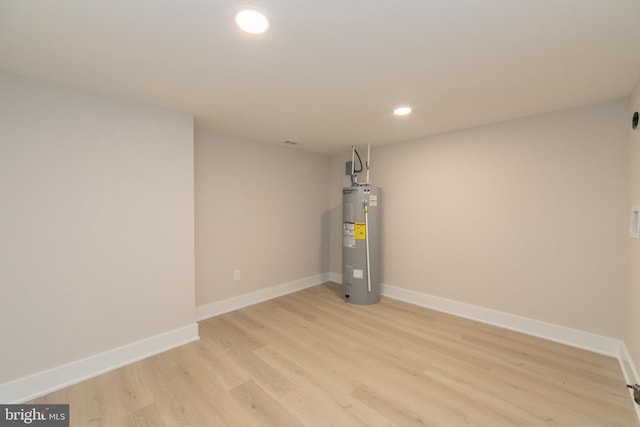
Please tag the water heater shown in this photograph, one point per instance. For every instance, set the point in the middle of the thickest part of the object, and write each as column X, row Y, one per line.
column 361, row 242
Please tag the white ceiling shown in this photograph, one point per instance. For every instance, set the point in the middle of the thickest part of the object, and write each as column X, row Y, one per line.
column 329, row 72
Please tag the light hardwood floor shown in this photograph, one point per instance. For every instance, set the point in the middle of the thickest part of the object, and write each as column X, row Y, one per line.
column 309, row 359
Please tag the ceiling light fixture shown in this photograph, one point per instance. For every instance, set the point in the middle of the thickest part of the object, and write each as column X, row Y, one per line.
column 252, row 21
column 402, row 111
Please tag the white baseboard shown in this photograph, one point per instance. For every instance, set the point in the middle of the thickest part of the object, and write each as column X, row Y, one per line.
column 335, row 277
column 41, row 383
column 573, row 337
column 627, row 365
column 235, row 303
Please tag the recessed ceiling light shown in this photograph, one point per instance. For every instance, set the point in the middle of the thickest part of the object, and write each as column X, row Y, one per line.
column 252, row 21
column 402, row 111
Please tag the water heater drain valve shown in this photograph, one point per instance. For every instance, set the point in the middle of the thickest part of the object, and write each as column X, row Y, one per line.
column 636, row 392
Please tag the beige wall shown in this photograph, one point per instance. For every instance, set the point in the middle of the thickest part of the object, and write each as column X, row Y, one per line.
column 261, row 209
column 96, row 225
column 632, row 319
column 525, row 217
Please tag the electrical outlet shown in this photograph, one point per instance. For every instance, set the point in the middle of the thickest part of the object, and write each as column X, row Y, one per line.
column 236, row 274
column 634, row 229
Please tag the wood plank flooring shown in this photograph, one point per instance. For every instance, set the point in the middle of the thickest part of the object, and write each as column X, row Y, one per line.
column 308, row 359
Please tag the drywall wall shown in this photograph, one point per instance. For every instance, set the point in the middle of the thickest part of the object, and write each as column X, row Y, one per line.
column 632, row 312
column 260, row 209
column 526, row 217
column 96, row 225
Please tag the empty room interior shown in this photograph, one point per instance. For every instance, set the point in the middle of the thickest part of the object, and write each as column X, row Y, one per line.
column 175, row 234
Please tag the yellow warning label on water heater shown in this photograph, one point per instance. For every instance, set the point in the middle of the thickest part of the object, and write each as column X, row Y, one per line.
column 361, row 230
